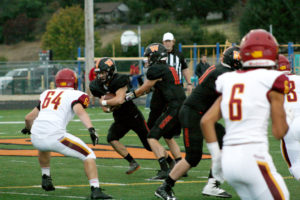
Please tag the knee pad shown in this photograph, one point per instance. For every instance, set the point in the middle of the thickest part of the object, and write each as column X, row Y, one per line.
column 193, row 158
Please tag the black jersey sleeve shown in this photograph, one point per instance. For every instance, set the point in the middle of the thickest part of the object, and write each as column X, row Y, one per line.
column 119, row 81
column 95, row 89
column 155, row 72
column 182, row 61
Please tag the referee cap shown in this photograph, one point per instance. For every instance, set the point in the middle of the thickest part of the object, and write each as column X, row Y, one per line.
column 168, row 36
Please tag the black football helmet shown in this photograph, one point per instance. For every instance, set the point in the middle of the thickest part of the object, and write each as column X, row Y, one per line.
column 231, row 57
column 156, row 53
column 105, row 65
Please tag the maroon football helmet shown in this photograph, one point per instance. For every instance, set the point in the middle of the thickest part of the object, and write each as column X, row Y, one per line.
column 283, row 63
column 259, row 49
column 66, row 78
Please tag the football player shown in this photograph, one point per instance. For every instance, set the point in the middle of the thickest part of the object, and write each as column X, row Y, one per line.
column 126, row 115
column 290, row 144
column 249, row 97
column 190, row 114
column 47, row 125
column 167, row 87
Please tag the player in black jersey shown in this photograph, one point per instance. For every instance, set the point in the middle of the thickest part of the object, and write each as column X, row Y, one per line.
column 126, row 115
column 194, row 107
column 167, row 88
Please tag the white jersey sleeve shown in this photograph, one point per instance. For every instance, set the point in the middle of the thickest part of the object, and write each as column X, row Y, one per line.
column 292, row 99
column 56, row 110
column 245, row 105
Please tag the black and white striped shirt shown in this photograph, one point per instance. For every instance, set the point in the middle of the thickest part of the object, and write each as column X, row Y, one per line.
column 176, row 60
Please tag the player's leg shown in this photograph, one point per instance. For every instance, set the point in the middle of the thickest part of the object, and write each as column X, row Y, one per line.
column 290, row 148
column 212, row 188
column 115, row 133
column 44, row 160
column 44, row 157
column 140, row 127
column 73, row 146
column 261, row 180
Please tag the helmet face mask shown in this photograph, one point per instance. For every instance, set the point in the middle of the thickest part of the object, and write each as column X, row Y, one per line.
column 66, row 78
column 259, row 49
column 105, row 69
column 156, row 53
column 231, row 57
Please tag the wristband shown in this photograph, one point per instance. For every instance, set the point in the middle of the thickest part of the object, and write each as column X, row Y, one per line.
column 104, row 103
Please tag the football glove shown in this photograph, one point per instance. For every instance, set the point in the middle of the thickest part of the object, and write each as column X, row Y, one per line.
column 94, row 135
column 26, row 131
column 129, row 96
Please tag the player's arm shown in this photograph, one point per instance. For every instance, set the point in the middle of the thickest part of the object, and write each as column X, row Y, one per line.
column 187, row 77
column 29, row 118
column 145, row 88
column 278, row 116
column 209, row 119
column 83, row 115
column 209, row 132
column 148, row 84
column 117, row 100
column 85, row 119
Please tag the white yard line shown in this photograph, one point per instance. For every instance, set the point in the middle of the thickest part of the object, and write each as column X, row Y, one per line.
column 44, row 195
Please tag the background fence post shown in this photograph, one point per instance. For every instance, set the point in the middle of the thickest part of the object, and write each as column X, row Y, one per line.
column 218, row 51
column 291, row 55
column 79, row 68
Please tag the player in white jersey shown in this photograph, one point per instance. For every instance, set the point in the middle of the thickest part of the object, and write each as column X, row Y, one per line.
column 47, row 125
column 290, row 144
column 249, row 97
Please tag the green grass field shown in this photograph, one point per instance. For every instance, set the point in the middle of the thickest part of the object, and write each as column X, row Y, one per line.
column 20, row 176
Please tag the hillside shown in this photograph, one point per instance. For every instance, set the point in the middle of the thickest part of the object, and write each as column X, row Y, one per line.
column 28, row 51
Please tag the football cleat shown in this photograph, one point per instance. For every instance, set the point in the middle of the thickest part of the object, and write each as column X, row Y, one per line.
column 165, row 192
column 133, row 166
column 212, row 189
column 98, row 194
column 47, row 184
column 161, row 175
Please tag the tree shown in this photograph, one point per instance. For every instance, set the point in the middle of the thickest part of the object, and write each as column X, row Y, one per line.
column 284, row 16
column 65, row 33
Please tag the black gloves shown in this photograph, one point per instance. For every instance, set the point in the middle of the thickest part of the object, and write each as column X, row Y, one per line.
column 130, row 96
column 94, row 135
column 26, row 131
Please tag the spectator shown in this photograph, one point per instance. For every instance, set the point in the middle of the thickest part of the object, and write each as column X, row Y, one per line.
column 202, row 66
column 92, row 76
column 134, row 73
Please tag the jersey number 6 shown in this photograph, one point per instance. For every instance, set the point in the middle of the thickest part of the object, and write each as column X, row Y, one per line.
column 235, row 104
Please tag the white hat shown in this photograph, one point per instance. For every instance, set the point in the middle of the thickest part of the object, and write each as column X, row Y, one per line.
column 168, row 36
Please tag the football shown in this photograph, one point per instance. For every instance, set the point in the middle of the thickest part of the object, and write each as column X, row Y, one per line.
column 109, row 96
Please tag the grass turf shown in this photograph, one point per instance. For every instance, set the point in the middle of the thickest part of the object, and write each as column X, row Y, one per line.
column 20, row 176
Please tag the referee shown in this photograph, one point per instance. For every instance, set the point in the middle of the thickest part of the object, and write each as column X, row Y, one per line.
column 176, row 60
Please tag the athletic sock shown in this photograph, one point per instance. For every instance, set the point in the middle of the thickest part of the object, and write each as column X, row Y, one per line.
column 177, row 159
column 169, row 159
column 129, row 158
column 46, row 171
column 210, row 174
column 163, row 164
column 170, row 181
column 94, row 182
